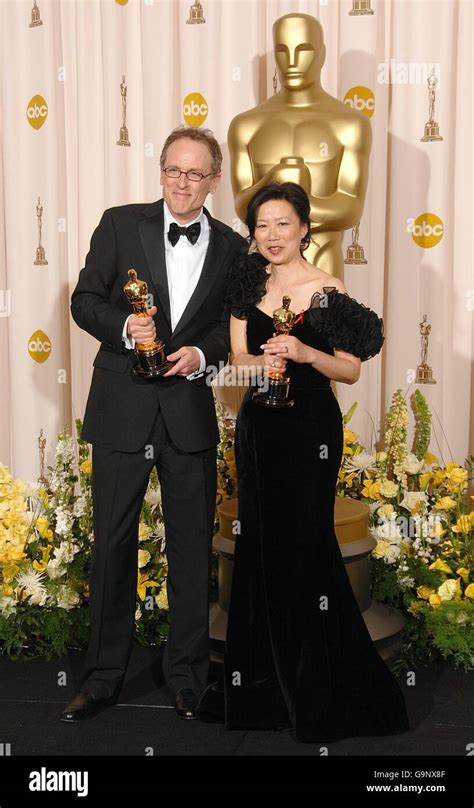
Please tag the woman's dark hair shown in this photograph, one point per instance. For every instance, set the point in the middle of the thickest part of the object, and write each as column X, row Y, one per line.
column 290, row 192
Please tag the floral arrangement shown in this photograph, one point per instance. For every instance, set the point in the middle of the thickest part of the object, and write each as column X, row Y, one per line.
column 420, row 517
column 46, row 543
column 423, row 523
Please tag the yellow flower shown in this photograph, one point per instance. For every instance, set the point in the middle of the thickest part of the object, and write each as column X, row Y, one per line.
column 86, row 466
column 445, row 504
column 380, row 549
column 464, row 573
column 463, row 525
column 439, row 476
column 143, row 558
column 143, row 584
column 43, row 495
column 388, row 488
column 40, row 566
column 371, row 489
column 380, row 457
column 43, row 528
column 425, row 480
column 440, row 566
column 469, row 591
column 435, row 601
column 349, row 436
column 457, row 479
column 144, row 531
column 387, row 511
column 450, row 589
column 7, row 590
column 424, row 592
column 11, row 553
column 414, row 607
column 431, row 459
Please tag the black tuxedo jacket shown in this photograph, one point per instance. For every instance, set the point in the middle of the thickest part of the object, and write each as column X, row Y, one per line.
column 121, row 407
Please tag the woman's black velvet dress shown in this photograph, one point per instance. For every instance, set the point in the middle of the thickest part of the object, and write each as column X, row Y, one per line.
column 298, row 654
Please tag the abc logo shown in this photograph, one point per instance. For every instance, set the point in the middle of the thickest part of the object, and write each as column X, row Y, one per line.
column 39, row 346
column 195, row 109
column 361, row 99
column 427, row 230
column 37, row 112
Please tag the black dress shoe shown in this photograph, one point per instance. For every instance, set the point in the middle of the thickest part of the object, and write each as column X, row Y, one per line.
column 185, row 701
column 85, row 705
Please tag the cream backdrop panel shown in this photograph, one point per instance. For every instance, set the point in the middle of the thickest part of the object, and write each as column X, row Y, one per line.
column 75, row 61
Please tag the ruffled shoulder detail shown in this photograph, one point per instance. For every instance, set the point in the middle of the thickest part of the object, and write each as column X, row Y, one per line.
column 347, row 324
column 247, row 284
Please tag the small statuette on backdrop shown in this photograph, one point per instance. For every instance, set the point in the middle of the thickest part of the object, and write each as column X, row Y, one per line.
column 424, row 374
column 278, row 384
column 355, row 253
column 360, row 7
column 196, row 14
column 35, row 16
column 431, row 127
column 123, row 139
column 42, row 480
column 40, row 252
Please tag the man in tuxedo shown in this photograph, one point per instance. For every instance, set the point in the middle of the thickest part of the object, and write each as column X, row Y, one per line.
column 184, row 255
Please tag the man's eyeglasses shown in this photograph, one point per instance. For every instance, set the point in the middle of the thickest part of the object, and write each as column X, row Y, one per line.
column 193, row 176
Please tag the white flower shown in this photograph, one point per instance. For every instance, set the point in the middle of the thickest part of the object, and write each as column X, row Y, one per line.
column 360, row 462
column 449, row 589
column 412, row 465
column 138, row 614
column 7, row 606
column 55, row 568
column 412, row 499
column 66, row 551
column 387, row 512
column 32, row 582
column 393, row 552
column 79, row 507
column 67, row 598
column 153, row 497
column 64, row 521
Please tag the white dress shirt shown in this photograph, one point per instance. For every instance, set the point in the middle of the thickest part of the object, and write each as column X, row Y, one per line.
column 184, row 263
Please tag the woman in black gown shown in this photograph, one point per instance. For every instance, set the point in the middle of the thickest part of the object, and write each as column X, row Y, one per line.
column 298, row 654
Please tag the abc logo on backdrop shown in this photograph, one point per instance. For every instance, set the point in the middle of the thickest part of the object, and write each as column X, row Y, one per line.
column 195, row 109
column 39, row 346
column 426, row 230
column 37, row 112
column 361, row 99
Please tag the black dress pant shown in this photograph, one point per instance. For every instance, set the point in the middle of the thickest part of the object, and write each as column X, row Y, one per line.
column 188, row 490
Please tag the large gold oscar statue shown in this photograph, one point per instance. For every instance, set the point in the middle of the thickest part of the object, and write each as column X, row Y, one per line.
column 302, row 134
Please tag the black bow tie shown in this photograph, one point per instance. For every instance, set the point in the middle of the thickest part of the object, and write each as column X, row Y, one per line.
column 192, row 232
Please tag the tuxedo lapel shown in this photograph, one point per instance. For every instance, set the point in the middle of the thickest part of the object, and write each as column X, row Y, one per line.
column 215, row 255
column 151, row 234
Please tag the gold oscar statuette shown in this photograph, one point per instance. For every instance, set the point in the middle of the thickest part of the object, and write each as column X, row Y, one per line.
column 196, row 14
column 123, row 138
column 296, row 118
column 278, row 382
column 152, row 361
column 355, row 253
column 424, row 374
column 35, row 16
column 40, row 259
column 360, row 7
column 431, row 127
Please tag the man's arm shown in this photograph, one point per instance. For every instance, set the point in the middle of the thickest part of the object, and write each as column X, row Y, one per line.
column 91, row 308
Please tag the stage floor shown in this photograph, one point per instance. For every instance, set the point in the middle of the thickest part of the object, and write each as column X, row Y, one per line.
column 439, row 704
